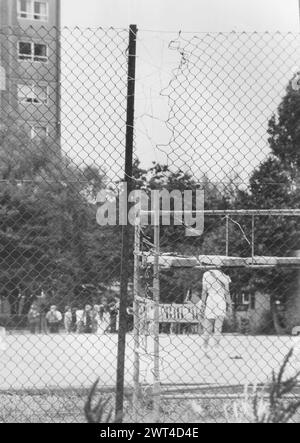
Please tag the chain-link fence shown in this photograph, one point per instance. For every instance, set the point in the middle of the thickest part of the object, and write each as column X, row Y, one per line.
column 213, row 302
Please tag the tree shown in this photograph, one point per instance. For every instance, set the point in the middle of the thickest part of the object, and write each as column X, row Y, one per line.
column 175, row 283
column 46, row 216
column 275, row 184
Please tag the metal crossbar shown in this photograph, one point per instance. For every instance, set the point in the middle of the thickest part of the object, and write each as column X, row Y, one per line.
column 234, row 212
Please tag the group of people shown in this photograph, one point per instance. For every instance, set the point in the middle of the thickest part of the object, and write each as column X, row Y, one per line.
column 215, row 304
column 89, row 320
column 92, row 319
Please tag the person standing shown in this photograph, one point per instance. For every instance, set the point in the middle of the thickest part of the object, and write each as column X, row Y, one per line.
column 87, row 320
column 74, row 320
column 96, row 318
column 79, row 320
column 34, row 319
column 53, row 318
column 41, row 301
column 215, row 305
column 113, row 312
column 68, row 319
column 104, row 319
column 130, row 318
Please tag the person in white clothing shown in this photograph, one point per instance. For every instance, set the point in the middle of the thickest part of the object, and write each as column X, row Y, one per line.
column 53, row 319
column 215, row 303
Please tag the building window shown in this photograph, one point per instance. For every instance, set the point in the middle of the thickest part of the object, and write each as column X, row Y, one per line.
column 39, row 132
column 34, row 52
column 245, row 299
column 33, row 94
column 33, row 10
column 242, row 301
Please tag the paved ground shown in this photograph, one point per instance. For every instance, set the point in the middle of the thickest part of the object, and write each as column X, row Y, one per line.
column 62, row 361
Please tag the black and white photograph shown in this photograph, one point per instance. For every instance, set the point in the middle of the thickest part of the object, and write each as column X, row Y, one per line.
column 149, row 214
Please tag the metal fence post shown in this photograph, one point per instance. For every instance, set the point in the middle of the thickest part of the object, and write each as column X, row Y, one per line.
column 156, row 294
column 136, row 324
column 126, row 229
column 227, row 235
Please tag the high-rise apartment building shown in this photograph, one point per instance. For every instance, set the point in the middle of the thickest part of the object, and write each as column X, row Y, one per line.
column 30, row 65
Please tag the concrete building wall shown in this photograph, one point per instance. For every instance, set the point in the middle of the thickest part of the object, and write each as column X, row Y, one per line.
column 28, row 72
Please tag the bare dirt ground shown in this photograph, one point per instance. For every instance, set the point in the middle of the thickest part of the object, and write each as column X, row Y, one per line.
column 45, row 378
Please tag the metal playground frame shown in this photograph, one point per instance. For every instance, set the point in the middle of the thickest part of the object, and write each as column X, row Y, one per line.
column 162, row 261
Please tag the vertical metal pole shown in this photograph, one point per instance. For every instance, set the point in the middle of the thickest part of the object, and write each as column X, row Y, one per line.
column 136, row 323
column 58, row 75
column 126, row 229
column 253, row 238
column 156, row 290
column 227, row 235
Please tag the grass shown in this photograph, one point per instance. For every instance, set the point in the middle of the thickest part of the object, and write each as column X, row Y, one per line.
column 267, row 405
column 68, row 407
